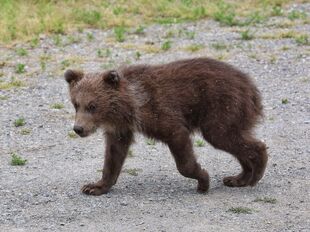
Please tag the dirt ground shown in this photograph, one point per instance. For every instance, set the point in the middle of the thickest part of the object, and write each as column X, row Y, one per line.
column 44, row 194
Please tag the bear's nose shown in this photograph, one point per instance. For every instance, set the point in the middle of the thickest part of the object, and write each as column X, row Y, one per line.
column 78, row 129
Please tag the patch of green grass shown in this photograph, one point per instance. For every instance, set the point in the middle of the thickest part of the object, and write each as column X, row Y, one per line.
column 104, row 53
column 169, row 34
column 72, row 135
column 302, row 40
column 166, row 45
column 108, row 52
column 277, row 11
column 140, row 30
column 225, row 14
column 2, row 64
column 100, row 53
column 4, row 98
column 43, row 60
column 273, row 59
column 246, row 35
column 57, row 39
column 150, row 142
column 284, row 101
column 19, row 122
column 119, row 33
column 21, row 52
column 221, row 56
column 137, row 55
column 12, row 84
column 90, row 36
column 130, row 154
column 194, row 47
column 199, row 143
column 43, row 65
column 57, row 106
column 199, row 12
column 34, row 42
column 17, row 160
column 110, row 64
column 20, row 68
column 285, row 48
column 240, row 210
column 132, row 171
column 89, row 17
column 253, row 18
column 287, row 35
column 269, row 200
column 118, row 10
column 73, row 39
column 168, row 20
column 189, row 34
column 25, row 131
column 23, row 20
column 294, row 14
column 219, row 46
column 65, row 64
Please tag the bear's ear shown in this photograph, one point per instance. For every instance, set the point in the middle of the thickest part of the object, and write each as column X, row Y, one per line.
column 112, row 78
column 73, row 76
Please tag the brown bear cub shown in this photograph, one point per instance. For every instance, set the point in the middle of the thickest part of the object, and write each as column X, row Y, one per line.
column 168, row 103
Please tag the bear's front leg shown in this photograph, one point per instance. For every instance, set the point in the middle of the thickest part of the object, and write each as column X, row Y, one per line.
column 117, row 145
column 181, row 148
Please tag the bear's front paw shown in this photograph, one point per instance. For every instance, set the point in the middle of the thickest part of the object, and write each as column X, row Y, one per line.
column 203, row 182
column 95, row 189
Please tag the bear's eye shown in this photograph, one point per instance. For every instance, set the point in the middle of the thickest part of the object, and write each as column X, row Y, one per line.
column 91, row 108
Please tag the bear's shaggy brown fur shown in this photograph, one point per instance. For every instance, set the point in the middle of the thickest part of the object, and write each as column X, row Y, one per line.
column 169, row 102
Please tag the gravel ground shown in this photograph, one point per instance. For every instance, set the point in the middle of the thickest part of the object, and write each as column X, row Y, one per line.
column 150, row 194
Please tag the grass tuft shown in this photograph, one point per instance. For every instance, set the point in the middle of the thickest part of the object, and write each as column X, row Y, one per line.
column 12, row 84
column 132, row 171
column 269, row 200
column 294, row 14
column 130, row 154
column 194, row 47
column 219, row 46
column 150, row 142
column 25, row 131
column 4, row 98
column 21, row 52
column 284, row 101
column 199, row 143
column 240, row 210
column 57, row 106
column 166, row 45
column 302, row 40
column 225, row 14
column 90, row 36
column 140, row 30
column 119, row 33
column 65, row 64
column 246, row 35
column 19, row 122
column 17, row 160
column 20, row 68
column 72, row 135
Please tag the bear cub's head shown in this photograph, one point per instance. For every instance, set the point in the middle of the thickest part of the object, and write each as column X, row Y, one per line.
column 95, row 97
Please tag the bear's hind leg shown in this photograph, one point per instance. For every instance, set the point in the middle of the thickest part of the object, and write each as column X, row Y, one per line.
column 250, row 153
